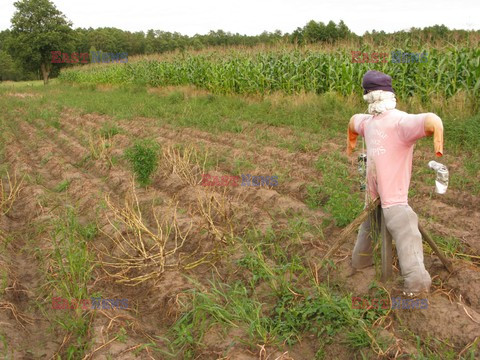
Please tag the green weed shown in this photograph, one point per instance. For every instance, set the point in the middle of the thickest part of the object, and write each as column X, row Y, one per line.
column 322, row 314
column 357, row 339
column 143, row 158
column 334, row 193
column 109, row 130
column 69, row 273
column 242, row 165
column 449, row 245
column 223, row 304
column 62, row 186
column 432, row 349
column 72, row 260
column 5, row 347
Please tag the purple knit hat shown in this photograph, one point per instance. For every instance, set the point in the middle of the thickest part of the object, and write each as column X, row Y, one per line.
column 376, row 80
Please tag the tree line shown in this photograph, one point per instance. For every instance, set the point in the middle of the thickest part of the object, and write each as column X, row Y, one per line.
column 38, row 28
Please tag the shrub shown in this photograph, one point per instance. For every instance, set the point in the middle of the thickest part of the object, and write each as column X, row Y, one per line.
column 143, row 159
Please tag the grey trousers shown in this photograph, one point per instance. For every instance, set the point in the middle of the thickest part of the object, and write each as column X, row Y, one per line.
column 402, row 223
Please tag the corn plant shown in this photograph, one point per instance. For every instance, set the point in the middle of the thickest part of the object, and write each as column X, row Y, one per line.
column 445, row 72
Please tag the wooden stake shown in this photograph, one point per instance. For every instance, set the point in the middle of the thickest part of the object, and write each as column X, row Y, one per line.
column 435, row 248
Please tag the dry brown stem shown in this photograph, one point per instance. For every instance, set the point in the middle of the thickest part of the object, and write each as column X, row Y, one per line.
column 188, row 163
column 100, row 148
column 21, row 318
column 217, row 211
column 141, row 252
column 9, row 192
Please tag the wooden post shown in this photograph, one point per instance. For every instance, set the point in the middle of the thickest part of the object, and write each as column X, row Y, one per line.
column 426, row 236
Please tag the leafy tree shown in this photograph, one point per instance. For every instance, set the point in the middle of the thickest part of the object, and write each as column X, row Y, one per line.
column 343, row 30
column 312, row 31
column 150, row 42
column 7, row 67
column 92, row 54
column 297, row 36
column 318, row 32
column 38, row 28
column 331, row 33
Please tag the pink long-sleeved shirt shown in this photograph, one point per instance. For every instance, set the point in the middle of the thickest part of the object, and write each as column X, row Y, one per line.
column 390, row 138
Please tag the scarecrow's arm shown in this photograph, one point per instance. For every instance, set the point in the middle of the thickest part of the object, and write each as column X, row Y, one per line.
column 352, row 136
column 434, row 126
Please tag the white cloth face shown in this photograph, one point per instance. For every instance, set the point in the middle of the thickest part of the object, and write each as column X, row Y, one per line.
column 380, row 101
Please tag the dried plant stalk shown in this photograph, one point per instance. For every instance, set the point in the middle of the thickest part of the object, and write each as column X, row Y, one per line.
column 9, row 192
column 216, row 209
column 144, row 254
column 21, row 318
column 188, row 164
column 100, row 148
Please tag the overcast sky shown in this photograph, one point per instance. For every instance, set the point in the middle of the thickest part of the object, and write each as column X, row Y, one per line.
column 251, row 17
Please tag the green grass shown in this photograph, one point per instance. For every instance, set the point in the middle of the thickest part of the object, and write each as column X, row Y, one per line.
column 62, row 186
column 4, row 279
column 322, row 314
column 71, row 256
column 334, row 193
column 289, row 306
column 24, row 84
column 4, row 342
column 109, row 130
column 451, row 246
column 433, row 349
column 221, row 114
column 242, row 165
column 69, row 275
column 223, row 304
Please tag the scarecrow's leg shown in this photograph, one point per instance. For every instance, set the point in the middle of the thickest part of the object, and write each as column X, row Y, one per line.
column 402, row 222
column 362, row 252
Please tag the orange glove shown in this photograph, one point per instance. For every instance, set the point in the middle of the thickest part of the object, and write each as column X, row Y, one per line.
column 434, row 125
column 351, row 137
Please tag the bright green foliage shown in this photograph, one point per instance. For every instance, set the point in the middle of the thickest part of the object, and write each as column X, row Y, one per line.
column 444, row 73
column 143, row 159
column 322, row 315
column 38, row 28
column 7, row 66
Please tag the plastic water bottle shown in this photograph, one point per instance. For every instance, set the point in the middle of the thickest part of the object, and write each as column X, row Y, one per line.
column 441, row 182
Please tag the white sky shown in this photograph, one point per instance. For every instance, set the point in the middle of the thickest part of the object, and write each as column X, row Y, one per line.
column 251, row 17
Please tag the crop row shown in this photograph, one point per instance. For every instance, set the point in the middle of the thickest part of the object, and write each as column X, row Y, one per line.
column 445, row 73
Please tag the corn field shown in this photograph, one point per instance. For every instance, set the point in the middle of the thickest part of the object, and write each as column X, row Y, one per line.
column 444, row 73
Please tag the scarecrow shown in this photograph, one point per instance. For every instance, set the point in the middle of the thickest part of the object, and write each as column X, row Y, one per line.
column 390, row 136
